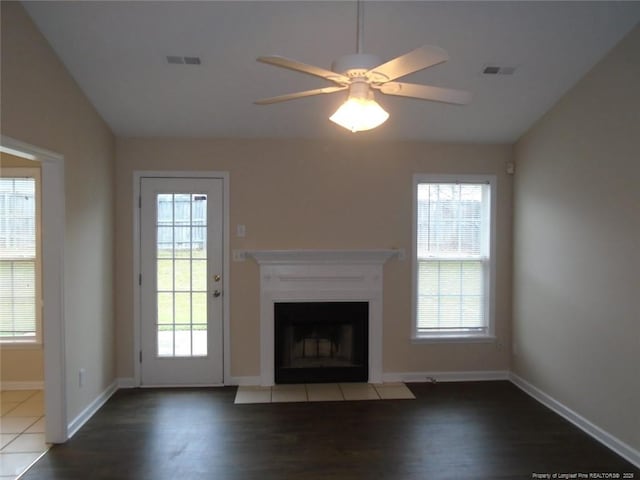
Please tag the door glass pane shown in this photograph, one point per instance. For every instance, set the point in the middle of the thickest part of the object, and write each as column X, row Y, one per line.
column 165, row 340
column 199, row 275
column 183, row 274
column 165, row 242
column 181, row 263
column 165, row 209
column 199, row 333
column 183, row 308
column 165, row 275
column 165, row 308
column 183, row 341
column 199, row 305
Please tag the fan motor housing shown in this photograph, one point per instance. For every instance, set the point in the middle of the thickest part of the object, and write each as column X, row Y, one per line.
column 355, row 65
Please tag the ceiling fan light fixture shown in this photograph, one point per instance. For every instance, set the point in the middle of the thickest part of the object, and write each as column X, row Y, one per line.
column 361, row 73
column 360, row 112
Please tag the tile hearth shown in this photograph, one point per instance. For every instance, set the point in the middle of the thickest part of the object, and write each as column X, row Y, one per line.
column 322, row 392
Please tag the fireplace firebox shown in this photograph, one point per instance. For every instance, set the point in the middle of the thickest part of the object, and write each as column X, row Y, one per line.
column 319, row 342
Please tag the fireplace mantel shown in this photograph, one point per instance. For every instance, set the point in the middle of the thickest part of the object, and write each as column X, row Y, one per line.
column 324, row 276
column 322, row 257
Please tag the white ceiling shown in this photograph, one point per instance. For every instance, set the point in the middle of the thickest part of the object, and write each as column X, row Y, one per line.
column 117, row 52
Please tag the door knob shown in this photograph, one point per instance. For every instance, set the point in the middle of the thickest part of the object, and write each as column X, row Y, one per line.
column 217, row 293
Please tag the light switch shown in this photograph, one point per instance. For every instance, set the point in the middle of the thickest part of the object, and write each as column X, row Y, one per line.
column 241, row 230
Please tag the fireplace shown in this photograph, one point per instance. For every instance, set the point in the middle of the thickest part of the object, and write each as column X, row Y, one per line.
column 322, row 276
column 321, row 342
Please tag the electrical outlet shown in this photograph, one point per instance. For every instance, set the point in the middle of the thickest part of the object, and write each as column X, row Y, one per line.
column 241, row 231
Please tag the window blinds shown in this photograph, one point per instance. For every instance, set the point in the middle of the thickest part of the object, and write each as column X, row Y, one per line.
column 18, row 267
column 452, row 256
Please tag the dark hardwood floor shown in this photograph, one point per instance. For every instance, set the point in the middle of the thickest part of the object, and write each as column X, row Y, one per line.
column 477, row 430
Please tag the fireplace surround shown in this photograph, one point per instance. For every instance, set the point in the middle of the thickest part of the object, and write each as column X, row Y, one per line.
column 320, row 276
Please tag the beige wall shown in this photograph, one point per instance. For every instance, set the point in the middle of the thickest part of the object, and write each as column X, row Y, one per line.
column 19, row 364
column 577, row 233
column 320, row 195
column 11, row 161
column 43, row 106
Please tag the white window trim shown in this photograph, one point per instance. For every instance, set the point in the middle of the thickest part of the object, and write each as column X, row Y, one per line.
column 36, row 341
column 489, row 336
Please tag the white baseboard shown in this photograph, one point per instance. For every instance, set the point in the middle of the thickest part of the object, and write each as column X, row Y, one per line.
column 470, row 376
column 130, row 382
column 578, row 420
column 126, row 382
column 243, row 381
column 91, row 409
column 35, row 385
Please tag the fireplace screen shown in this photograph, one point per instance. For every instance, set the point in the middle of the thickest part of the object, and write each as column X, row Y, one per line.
column 321, row 342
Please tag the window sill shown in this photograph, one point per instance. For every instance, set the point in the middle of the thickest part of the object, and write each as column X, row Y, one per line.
column 454, row 339
column 20, row 346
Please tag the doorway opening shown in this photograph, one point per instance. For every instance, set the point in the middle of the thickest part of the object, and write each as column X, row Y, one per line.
column 52, row 279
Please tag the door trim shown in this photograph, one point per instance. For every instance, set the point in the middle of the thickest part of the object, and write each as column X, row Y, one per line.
column 53, row 224
column 137, row 176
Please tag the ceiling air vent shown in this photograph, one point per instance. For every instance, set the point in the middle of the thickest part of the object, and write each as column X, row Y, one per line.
column 498, row 70
column 175, row 60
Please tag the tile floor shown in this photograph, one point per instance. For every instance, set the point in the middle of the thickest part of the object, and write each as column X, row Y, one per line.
column 322, row 392
column 21, row 431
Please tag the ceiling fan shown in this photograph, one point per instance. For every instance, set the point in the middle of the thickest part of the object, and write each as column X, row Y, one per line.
column 363, row 74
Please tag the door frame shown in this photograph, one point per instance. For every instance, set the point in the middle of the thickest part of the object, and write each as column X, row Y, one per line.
column 53, row 338
column 137, row 316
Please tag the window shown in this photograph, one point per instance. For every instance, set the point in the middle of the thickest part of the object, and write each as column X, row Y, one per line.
column 20, row 305
column 453, row 263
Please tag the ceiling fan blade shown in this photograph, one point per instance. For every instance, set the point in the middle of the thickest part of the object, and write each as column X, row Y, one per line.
column 418, row 59
column 293, row 96
column 305, row 68
column 426, row 92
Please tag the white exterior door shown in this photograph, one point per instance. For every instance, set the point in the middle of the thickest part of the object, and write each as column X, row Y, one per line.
column 181, row 253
